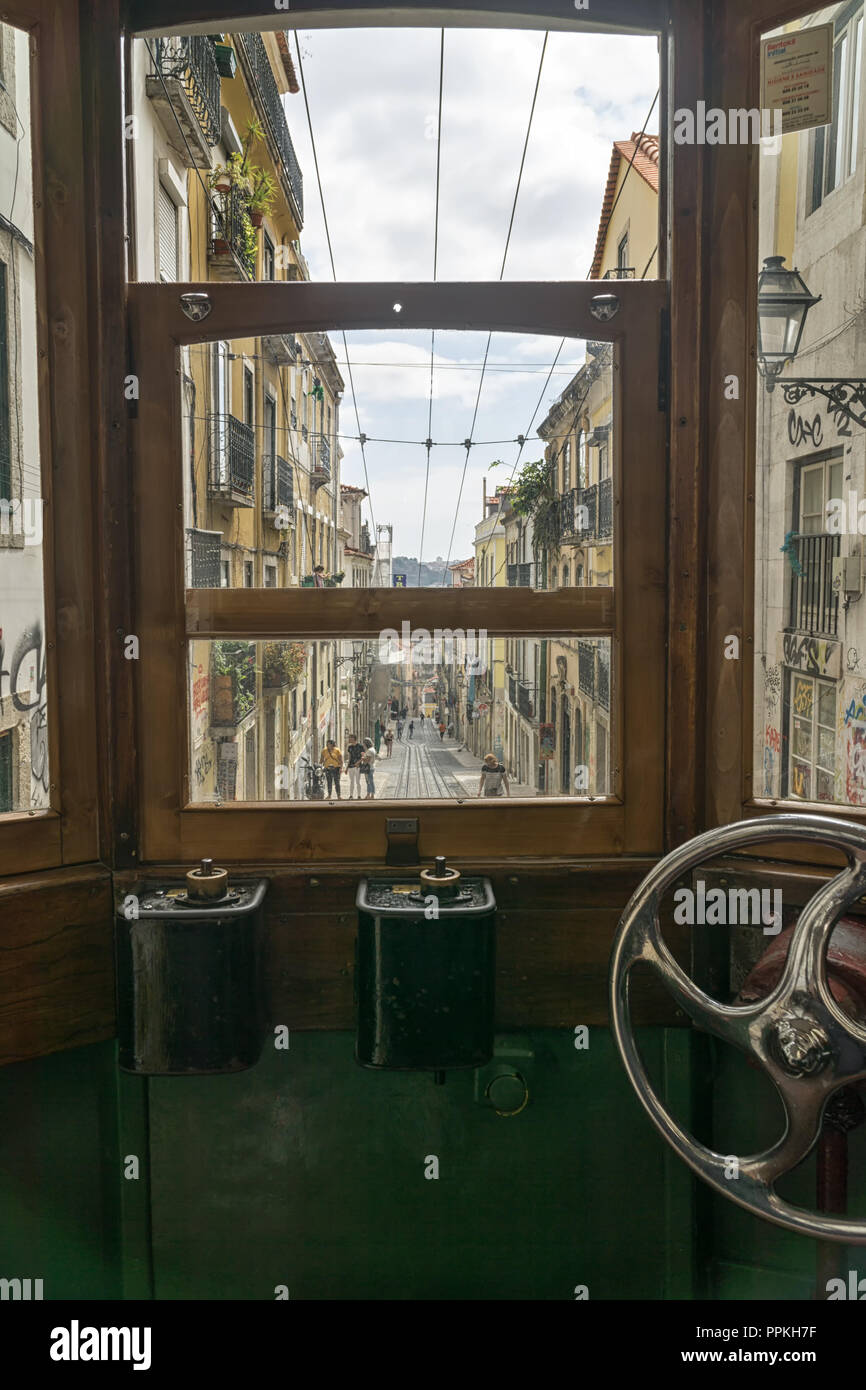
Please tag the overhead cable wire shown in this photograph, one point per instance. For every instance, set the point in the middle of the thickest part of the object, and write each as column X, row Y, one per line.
column 637, row 145
column 361, row 436
column 429, row 442
column 468, row 442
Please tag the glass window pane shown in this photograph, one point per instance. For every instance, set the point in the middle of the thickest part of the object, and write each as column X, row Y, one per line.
column 813, row 491
column 24, row 767
column 827, row 706
column 834, row 483
column 448, row 715
column 533, row 498
column 855, row 112
column 810, row 634
column 380, row 161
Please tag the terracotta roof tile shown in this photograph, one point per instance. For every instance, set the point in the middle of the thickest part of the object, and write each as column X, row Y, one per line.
column 642, row 151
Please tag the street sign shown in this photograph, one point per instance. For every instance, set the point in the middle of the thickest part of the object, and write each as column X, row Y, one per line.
column 399, row 581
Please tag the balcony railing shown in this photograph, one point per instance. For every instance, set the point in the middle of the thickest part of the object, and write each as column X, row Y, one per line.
column 586, row 668
column 270, row 103
column 321, row 470
column 277, row 481
column 229, row 221
column 232, row 459
column 814, row 605
column 619, row 272
column 586, row 513
column 204, row 554
column 185, row 89
column 525, row 702
column 604, row 677
column 605, row 509
column 280, row 348
column 520, row 576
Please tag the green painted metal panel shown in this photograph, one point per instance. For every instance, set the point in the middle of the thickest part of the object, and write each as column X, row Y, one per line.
column 59, row 1174
column 309, row 1171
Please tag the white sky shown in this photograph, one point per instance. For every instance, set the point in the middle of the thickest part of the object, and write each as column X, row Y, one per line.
column 374, row 101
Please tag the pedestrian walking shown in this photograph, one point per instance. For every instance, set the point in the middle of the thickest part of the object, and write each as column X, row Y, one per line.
column 399, row 730
column 389, row 742
column 411, row 727
column 493, row 777
column 368, row 767
column 441, row 731
column 450, row 730
column 354, row 754
column 332, row 762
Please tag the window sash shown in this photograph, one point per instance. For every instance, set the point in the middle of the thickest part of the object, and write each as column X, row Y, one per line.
column 632, row 614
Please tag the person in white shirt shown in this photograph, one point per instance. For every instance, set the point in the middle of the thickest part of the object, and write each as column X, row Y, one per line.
column 368, row 765
column 494, row 779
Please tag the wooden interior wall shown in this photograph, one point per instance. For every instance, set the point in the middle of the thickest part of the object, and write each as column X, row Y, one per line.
column 57, row 962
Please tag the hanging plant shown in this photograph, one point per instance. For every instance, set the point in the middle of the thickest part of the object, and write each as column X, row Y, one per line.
column 283, row 662
column 534, row 496
column 249, row 244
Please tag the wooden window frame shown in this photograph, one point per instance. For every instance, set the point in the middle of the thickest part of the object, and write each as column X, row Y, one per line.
column 632, row 614
column 682, row 245
column 732, row 276
column 71, row 829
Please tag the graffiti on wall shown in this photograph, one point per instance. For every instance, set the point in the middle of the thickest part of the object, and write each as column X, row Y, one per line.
column 772, row 686
column 815, row 655
column 851, row 729
column 772, row 750
column 24, row 679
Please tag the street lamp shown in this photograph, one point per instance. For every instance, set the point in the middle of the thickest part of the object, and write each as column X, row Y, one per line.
column 784, row 301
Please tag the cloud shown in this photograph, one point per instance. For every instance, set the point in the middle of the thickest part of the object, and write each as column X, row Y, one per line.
column 374, row 99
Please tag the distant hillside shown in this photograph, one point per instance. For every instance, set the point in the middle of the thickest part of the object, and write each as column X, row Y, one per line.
column 431, row 570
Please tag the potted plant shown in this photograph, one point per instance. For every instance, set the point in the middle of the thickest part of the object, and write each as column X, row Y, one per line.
column 263, row 193
column 221, row 178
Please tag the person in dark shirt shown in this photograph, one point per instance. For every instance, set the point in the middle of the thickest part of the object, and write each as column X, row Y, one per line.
column 354, row 754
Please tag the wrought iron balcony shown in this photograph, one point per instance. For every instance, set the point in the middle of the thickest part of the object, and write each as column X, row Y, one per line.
column 520, row 576
column 579, row 513
column 281, row 349
column 525, row 702
column 270, row 104
column 605, row 509
column 814, row 605
column 232, row 460
column 321, row 471
column 586, row 668
column 232, row 252
column 619, row 272
column 185, row 91
column 204, row 554
column 277, row 484
column 604, row 677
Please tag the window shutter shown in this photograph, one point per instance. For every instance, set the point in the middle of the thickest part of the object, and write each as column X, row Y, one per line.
column 167, row 216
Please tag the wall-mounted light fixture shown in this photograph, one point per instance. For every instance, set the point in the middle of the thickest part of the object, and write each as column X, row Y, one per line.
column 783, row 304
